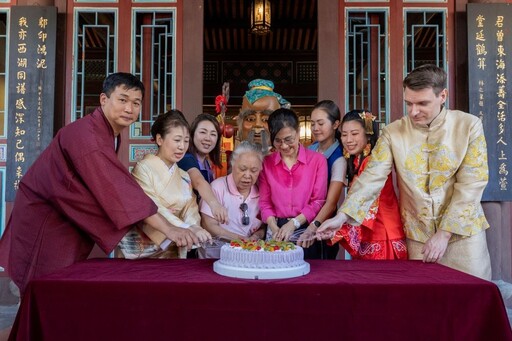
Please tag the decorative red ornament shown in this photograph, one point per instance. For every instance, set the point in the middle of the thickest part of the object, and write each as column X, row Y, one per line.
column 229, row 131
column 220, row 104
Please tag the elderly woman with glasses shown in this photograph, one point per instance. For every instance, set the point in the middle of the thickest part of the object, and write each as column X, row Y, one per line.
column 238, row 192
column 293, row 182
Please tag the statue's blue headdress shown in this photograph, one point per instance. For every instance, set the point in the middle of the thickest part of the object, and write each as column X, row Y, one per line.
column 259, row 88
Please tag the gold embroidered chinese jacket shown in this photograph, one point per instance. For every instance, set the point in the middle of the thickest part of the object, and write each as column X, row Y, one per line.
column 441, row 173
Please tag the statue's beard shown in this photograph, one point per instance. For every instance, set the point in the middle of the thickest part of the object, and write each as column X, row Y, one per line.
column 261, row 138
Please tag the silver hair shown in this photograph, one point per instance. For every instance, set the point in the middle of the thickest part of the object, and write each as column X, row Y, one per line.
column 246, row 147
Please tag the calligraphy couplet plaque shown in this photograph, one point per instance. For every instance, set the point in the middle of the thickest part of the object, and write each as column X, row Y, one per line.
column 490, row 90
column 32, row 35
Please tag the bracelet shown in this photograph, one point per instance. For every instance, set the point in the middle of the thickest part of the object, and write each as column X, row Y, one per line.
column 296, row 222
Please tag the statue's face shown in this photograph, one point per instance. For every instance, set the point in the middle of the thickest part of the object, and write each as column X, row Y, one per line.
column 254, row 126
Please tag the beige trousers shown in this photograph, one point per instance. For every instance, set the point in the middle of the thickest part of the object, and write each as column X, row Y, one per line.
column 469, row 255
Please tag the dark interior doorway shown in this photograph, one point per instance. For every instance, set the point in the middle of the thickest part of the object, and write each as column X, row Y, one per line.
column 288, row 55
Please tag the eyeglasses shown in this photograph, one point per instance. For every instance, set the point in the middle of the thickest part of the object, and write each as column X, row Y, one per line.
column 288, row 140
column 245, row 214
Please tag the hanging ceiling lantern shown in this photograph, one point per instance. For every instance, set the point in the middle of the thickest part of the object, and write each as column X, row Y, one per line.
column 260, row 17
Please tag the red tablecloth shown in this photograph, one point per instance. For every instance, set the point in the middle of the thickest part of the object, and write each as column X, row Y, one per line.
column 114, row 299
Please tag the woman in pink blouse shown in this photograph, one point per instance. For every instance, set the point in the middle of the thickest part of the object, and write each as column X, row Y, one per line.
column 293, row 182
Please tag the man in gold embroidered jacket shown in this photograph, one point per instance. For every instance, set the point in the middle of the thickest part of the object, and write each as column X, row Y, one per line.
column 440, row 157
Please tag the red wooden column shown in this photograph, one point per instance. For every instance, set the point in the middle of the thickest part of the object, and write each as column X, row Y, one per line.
column 192, row 69
column 330, row 34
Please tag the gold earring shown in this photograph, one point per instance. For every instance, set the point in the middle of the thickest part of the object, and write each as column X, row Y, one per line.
column 367, row 150
column 346, row 154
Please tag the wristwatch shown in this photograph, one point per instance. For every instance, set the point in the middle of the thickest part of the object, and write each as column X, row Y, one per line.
column 296, row 222
column 317, row 223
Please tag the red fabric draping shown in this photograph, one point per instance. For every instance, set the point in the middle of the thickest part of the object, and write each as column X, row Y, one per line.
column 114, row 299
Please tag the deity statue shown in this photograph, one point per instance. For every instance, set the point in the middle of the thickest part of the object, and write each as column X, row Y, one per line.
column 257, row 104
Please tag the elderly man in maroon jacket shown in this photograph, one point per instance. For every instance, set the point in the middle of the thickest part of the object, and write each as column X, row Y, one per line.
column 78, row 193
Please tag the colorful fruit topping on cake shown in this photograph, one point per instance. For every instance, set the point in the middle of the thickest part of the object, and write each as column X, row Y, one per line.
column 271, row 245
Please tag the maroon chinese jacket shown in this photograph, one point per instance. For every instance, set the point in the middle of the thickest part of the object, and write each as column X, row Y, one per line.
column 76, row 193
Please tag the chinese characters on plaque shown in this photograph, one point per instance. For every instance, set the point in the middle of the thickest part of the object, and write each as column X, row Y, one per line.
column 490, row 95
column 33, row 31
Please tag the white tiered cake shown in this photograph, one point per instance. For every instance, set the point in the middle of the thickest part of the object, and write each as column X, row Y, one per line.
column 261, row 260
